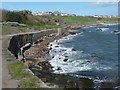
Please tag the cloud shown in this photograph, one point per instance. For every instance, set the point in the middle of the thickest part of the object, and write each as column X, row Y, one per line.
column 104, row 3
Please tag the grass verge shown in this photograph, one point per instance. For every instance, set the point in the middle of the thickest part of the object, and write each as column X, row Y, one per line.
column 17, row 70
column 30, row 83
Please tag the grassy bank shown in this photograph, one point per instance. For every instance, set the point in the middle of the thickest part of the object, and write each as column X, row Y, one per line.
column 36, row 23
column 19, row 71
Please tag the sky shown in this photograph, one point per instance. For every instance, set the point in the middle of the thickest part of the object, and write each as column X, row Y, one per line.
column 79, row 8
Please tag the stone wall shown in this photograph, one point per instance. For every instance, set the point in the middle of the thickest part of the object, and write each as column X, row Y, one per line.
column 19, row 41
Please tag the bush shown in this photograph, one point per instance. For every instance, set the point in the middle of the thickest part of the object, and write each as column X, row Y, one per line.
column 16, row 17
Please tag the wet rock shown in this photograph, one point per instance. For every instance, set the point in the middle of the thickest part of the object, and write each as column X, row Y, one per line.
column 30, row 62
column 64, row 81
column 73, row 49
column 66, row 38
column 56, row 46
column 52, row 56
column 95, row 56
column 86, row 83
column 50, row 48
column 116, row 31
column 109, row 84
column 65, row 60
column 59, row 68
column 45, row 65
column 50, row 44
column 72, row 32
column 66, row 56
column 88, row 61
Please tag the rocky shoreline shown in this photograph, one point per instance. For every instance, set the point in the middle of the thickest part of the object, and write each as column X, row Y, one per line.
column 39, row 50
column 43, row 69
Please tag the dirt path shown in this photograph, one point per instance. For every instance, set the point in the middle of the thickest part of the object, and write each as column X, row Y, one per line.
column 0, row 61
column 7, row 81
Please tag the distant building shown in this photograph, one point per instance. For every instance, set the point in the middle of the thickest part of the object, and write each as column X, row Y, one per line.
column 55, row 13
column 43, row 13
column 104, row 16
column 64, row 14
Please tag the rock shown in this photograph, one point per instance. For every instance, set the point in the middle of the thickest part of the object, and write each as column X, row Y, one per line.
column 115, row 31
column 73, row 32
column 65, row 60
column 23, row 60
column 66, row 56
column 95, row 56
column 109, row 84
column 88, row 61
column 73, row 49
column 50, row 48
column 45, row 65
column 30, row 62
column 56, row 46
column 83, row 30
column 52, row 56
column 59, row 68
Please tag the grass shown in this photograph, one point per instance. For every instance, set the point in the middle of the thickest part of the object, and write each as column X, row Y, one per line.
column 21, row 29
column 16, row 68
column 6, row 29
column 49, row 22
column 41, row 27
column 8, row 60
column 5, row 46
column 6, row 53
column 30, row 83
column 72, row 20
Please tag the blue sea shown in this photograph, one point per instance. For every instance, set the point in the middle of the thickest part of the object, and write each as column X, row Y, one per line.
column 92, row 53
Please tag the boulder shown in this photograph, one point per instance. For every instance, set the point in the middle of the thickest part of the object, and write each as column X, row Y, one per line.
column 65, row 60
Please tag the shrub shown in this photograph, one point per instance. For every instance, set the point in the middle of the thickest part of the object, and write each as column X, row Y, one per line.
column 16, row 17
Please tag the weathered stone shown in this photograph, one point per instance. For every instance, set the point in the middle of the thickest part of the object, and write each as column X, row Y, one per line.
column 56, row 46
column 45, row 65
column 73, row 32
column 59, row 68
column 65, row 60
column 73, row 49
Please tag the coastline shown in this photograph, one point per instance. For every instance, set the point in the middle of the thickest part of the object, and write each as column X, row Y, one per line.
column 43, row 46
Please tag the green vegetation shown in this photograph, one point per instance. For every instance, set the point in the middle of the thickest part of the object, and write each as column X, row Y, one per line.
column 6, row 29
column 30, row 83
column 18, row 71
column 16, row 17
column 8, row 60
column 6, row 53
column 81, row 20
column 16, row 68
column 33, row 22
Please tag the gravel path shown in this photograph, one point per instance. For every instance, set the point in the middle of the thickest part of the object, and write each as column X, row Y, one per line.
column 7, row 81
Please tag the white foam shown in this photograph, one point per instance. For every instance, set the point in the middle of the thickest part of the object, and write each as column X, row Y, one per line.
column 104, row 29
column 72, row 64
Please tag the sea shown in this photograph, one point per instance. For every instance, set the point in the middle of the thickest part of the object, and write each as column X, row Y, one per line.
column 92, row 53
